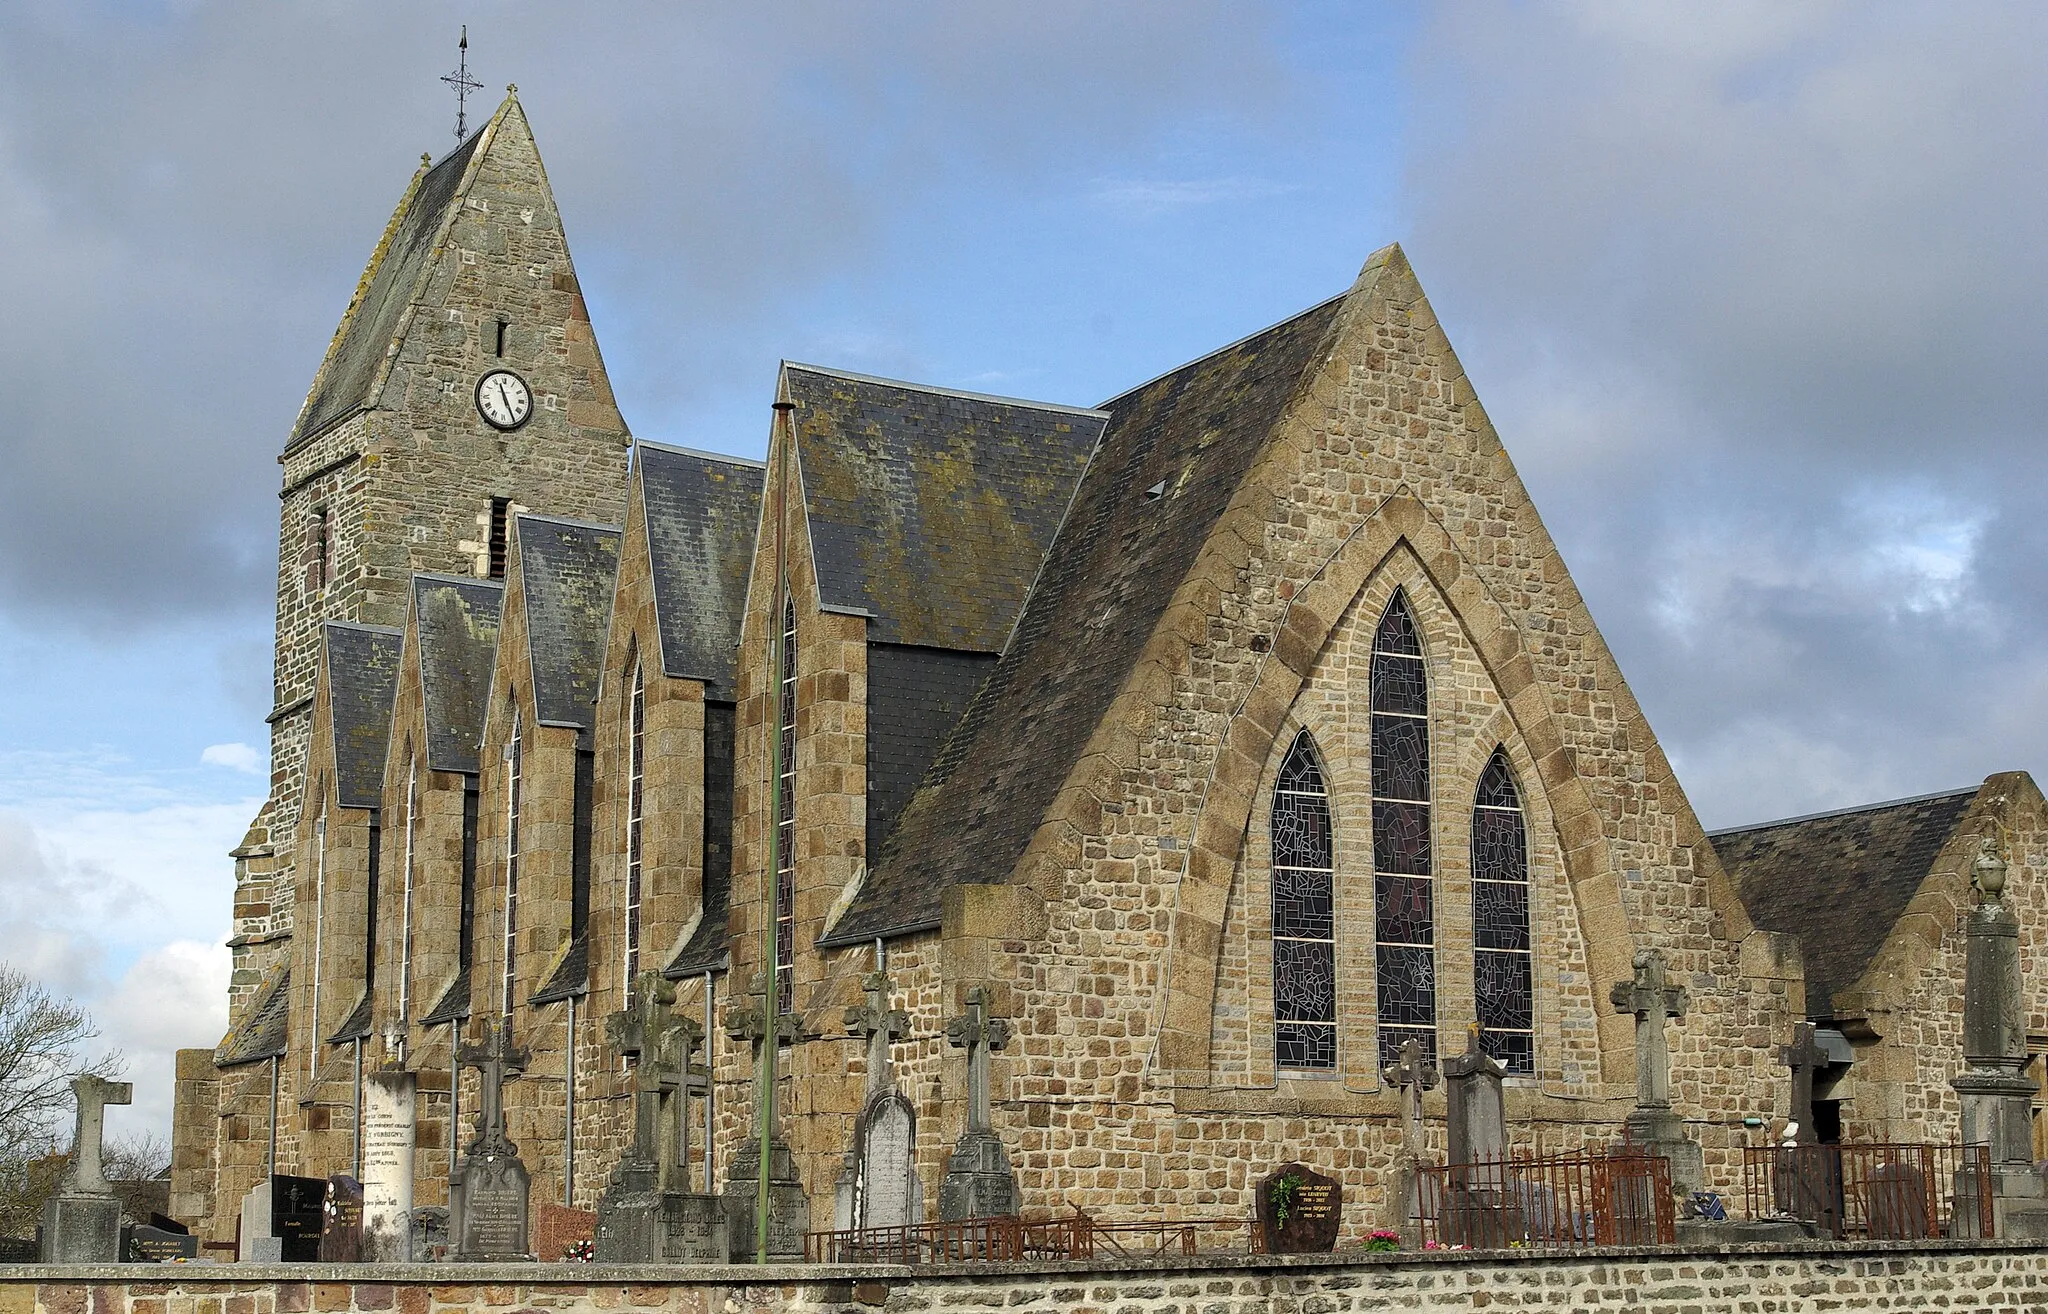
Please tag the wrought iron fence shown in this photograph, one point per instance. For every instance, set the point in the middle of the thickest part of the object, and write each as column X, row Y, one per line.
column 1878, row 1192
column 1077, row 1236
column 1562, row 1202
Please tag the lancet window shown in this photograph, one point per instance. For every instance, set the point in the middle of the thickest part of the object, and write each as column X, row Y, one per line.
column 1404, row 914
column 512, row 782
column 636, row 770
column 1304, row 914
column 412, row 813
column 1502, row 964
column 785, row 823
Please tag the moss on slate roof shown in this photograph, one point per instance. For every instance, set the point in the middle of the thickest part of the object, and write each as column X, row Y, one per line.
column 1840, row 881
column 702, row 514
column 362, row 679
column 457, row 621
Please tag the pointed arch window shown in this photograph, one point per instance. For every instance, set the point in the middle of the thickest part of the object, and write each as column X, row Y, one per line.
column 1503, row 975
column 1304, row 914
column 636, row 772
column 785, row 824
column 512, row 765
column 1404, row 912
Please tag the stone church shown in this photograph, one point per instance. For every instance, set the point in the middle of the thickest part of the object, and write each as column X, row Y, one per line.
column 1219, row 738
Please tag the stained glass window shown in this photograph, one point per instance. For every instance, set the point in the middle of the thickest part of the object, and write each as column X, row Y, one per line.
column 1304, row 914
column 636, row 771
column 785, row 825
column 1404, row 897
column 1502, row 975
column 512, row 765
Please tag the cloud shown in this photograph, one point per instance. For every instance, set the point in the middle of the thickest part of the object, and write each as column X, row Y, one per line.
column 1140, row 198
column 236, row 757
column 174, row 997
column 1752, row 292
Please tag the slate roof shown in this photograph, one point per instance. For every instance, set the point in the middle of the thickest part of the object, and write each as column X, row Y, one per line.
column 1840, row 881
column 390, row 285
column 457, row 620
column 265, row 1026
column 362, row 679
column 566, row 571
column 703, row 512
column 1118, row 557
column 915, row 698
column 571, row 977
column 357, row 1025
column 931, row 510
column 453, row 1005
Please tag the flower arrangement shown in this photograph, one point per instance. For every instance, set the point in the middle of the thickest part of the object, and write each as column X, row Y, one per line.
column 1382, row 1239
column 1283, row 1196
column 580, row 1252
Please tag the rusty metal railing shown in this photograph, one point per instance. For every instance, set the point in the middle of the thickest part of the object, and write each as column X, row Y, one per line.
column 1878, row 1192
column 993, row 1240
column 1563, row 1202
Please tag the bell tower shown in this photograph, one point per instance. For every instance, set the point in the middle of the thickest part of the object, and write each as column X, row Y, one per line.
column 463, row 384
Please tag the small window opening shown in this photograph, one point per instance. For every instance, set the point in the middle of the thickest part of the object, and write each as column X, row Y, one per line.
column 503, row 324
column 501, row 509
column 318, row 544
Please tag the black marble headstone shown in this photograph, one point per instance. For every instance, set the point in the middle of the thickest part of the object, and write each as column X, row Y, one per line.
column 298, row 1214
column 149, row 1244
column 1299, row 1211
column 19, row 1250
column 341, row 1230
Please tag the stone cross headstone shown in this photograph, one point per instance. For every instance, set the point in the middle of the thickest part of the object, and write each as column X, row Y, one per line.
column 645, row 1031
column 489, row 1205
column 647, row 1214
column 1299, row 1211
column 341, row 1227
column 1652, row 1000
column 390, row 1134
column 1996, row 1093
column 1802, row 1056
column 979, row 1182
column 759, row 1023
column 878, row 1185
column 82, row 1221
column 1413, row 1075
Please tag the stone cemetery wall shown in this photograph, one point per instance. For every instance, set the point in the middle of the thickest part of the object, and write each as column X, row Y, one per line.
column 1786, row 1279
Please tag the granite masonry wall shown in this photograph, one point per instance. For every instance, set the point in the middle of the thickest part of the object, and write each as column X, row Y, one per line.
column 1758, row 1279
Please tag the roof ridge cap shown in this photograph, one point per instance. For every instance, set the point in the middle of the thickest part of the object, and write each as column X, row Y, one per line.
column 1845, row 812
column 1228, row 346
column 1027, row 402
column 677, row 449
column 571, row 521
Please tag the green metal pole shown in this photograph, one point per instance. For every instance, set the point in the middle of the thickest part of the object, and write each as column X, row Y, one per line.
column 764, row 1111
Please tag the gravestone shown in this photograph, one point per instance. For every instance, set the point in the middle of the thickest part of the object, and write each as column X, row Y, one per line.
column 1996, row 1093
column 82, row 1221
column 1899, row 1198
column 878, row 1185
column 759, row 1023
column 1477, row 1209
column 160, row 1241
column 489, row 1195
column 979, row 1182
column 646, row 1214
column 341, row 1223
column 390, row 1108
column 1300, row 1211
column 1413, row 1075
column 429, row 1233
column 557, row 1227
column 257, row 1234
column 1650, row 998
column 298, row 1215
column 20, row 1250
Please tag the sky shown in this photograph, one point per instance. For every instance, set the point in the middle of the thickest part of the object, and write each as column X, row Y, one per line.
column 1752, row 291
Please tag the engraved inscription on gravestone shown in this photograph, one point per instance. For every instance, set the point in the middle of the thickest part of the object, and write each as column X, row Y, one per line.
column 160, row 1241
column 341, row 1230
column 1299, row 1211
column 298, row 1214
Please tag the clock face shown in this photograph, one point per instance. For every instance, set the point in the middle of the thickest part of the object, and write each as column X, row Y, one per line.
column 503, row 399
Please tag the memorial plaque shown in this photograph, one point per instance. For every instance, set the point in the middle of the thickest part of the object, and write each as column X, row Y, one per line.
column 341, row 1228
column 389, row 1104
column 298, row 1215
column 1299, row 1211
column 429, row 1233
column 159, row 1245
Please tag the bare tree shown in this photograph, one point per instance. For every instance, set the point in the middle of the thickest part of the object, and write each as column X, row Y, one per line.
column 43, row 1045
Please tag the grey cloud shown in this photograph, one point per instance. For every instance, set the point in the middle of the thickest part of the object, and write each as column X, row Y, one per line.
column 187, row 195
column 1753, row 292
